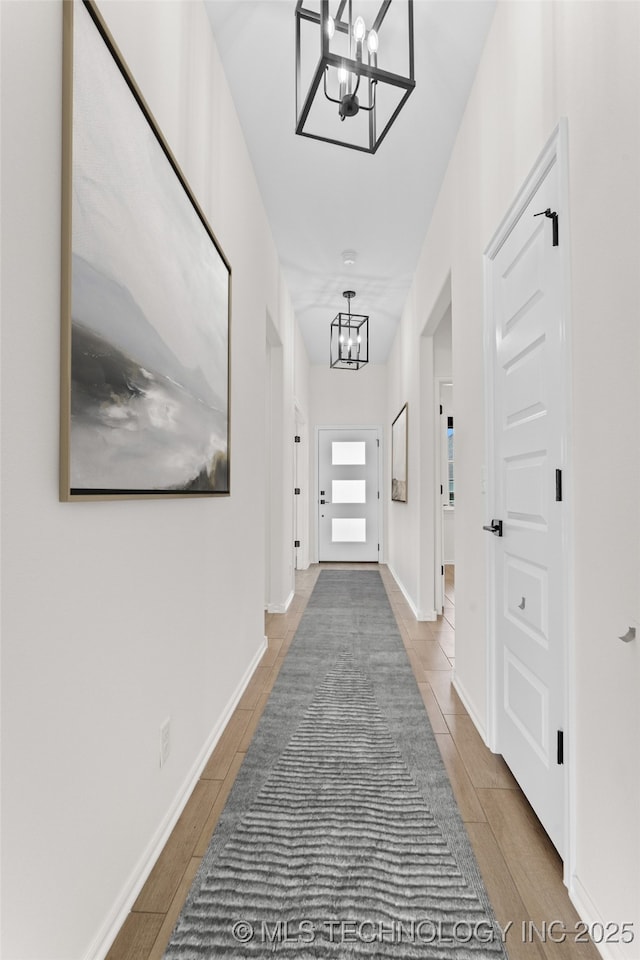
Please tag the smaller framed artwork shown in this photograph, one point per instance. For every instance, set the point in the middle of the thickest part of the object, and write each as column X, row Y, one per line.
column 399, row 457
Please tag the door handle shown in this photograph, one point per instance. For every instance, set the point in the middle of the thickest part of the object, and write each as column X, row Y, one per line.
column 495, row 527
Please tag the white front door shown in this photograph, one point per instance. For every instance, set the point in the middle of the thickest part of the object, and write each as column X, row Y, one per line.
column 349, row 496
column 527, row 335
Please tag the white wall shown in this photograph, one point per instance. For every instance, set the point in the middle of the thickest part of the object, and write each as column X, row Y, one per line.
column 403, row 386
column 116, row 615
column 281, row 358
column 442, row 350
column 354, row 398
column 543, row 61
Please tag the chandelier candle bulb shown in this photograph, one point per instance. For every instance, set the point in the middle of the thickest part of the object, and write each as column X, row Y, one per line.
column 359, row 31
column 372, row 47
column 342, row 81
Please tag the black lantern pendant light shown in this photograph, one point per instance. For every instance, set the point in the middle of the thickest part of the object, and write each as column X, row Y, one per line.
column 337, row 65
column 349, row 338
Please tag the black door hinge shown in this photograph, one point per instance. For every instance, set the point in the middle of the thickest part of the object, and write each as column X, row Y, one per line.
column 377, row 441
column 554, row 217
column 441, row 489
column 296, row 543
column 441, row 410
column 297, row 491
column 559, row 485
column 560, row 746
column 442, row 571
column 296, row 439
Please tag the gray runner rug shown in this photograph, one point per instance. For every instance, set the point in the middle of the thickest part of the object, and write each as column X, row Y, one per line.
column 341, row 837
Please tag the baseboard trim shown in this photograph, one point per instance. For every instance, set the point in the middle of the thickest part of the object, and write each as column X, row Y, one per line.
column 469, row 707
column 281, row 607
column 428, row 615
column 403, row 590
column 106, row 936
column 590, row 915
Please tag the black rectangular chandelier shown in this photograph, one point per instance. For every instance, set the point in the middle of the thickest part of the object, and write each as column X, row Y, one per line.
column 349, row 338
column 354, row 69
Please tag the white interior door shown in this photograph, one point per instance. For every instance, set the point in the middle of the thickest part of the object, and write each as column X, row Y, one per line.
column 349, row 496
column 529, row 445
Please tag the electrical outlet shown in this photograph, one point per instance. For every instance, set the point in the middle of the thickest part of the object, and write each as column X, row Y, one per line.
column 165, row 741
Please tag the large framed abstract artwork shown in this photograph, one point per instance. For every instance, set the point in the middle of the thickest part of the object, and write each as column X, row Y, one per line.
column 146, row 294
column 399, row 457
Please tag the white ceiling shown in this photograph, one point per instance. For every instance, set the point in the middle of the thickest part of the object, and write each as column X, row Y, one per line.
column 322, row 199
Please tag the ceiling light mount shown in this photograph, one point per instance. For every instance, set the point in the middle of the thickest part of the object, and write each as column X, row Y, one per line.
column 349, row 338
column 347, row 74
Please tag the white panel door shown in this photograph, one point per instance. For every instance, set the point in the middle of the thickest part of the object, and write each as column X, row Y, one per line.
column 529, row 446
column 348, row 501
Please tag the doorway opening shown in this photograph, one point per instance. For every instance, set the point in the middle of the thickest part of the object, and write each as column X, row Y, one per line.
column 438, row 453
column 447, row 494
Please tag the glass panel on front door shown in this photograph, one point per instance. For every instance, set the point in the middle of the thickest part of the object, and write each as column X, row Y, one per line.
column 349, row 530
column 348, row 453
column 349, row 491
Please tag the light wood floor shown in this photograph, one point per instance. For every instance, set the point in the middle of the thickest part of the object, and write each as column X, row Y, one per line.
column 520, row 867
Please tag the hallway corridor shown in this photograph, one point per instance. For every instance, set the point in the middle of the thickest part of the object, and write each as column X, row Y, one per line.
column 520, row 867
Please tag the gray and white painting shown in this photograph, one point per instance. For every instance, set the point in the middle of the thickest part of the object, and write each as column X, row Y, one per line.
column 399, row 457
column 150, row 296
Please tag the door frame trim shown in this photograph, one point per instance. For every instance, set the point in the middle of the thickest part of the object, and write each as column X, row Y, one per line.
column 554, row 152
column 438, row 558
column 301, row 502
column 316, row 481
